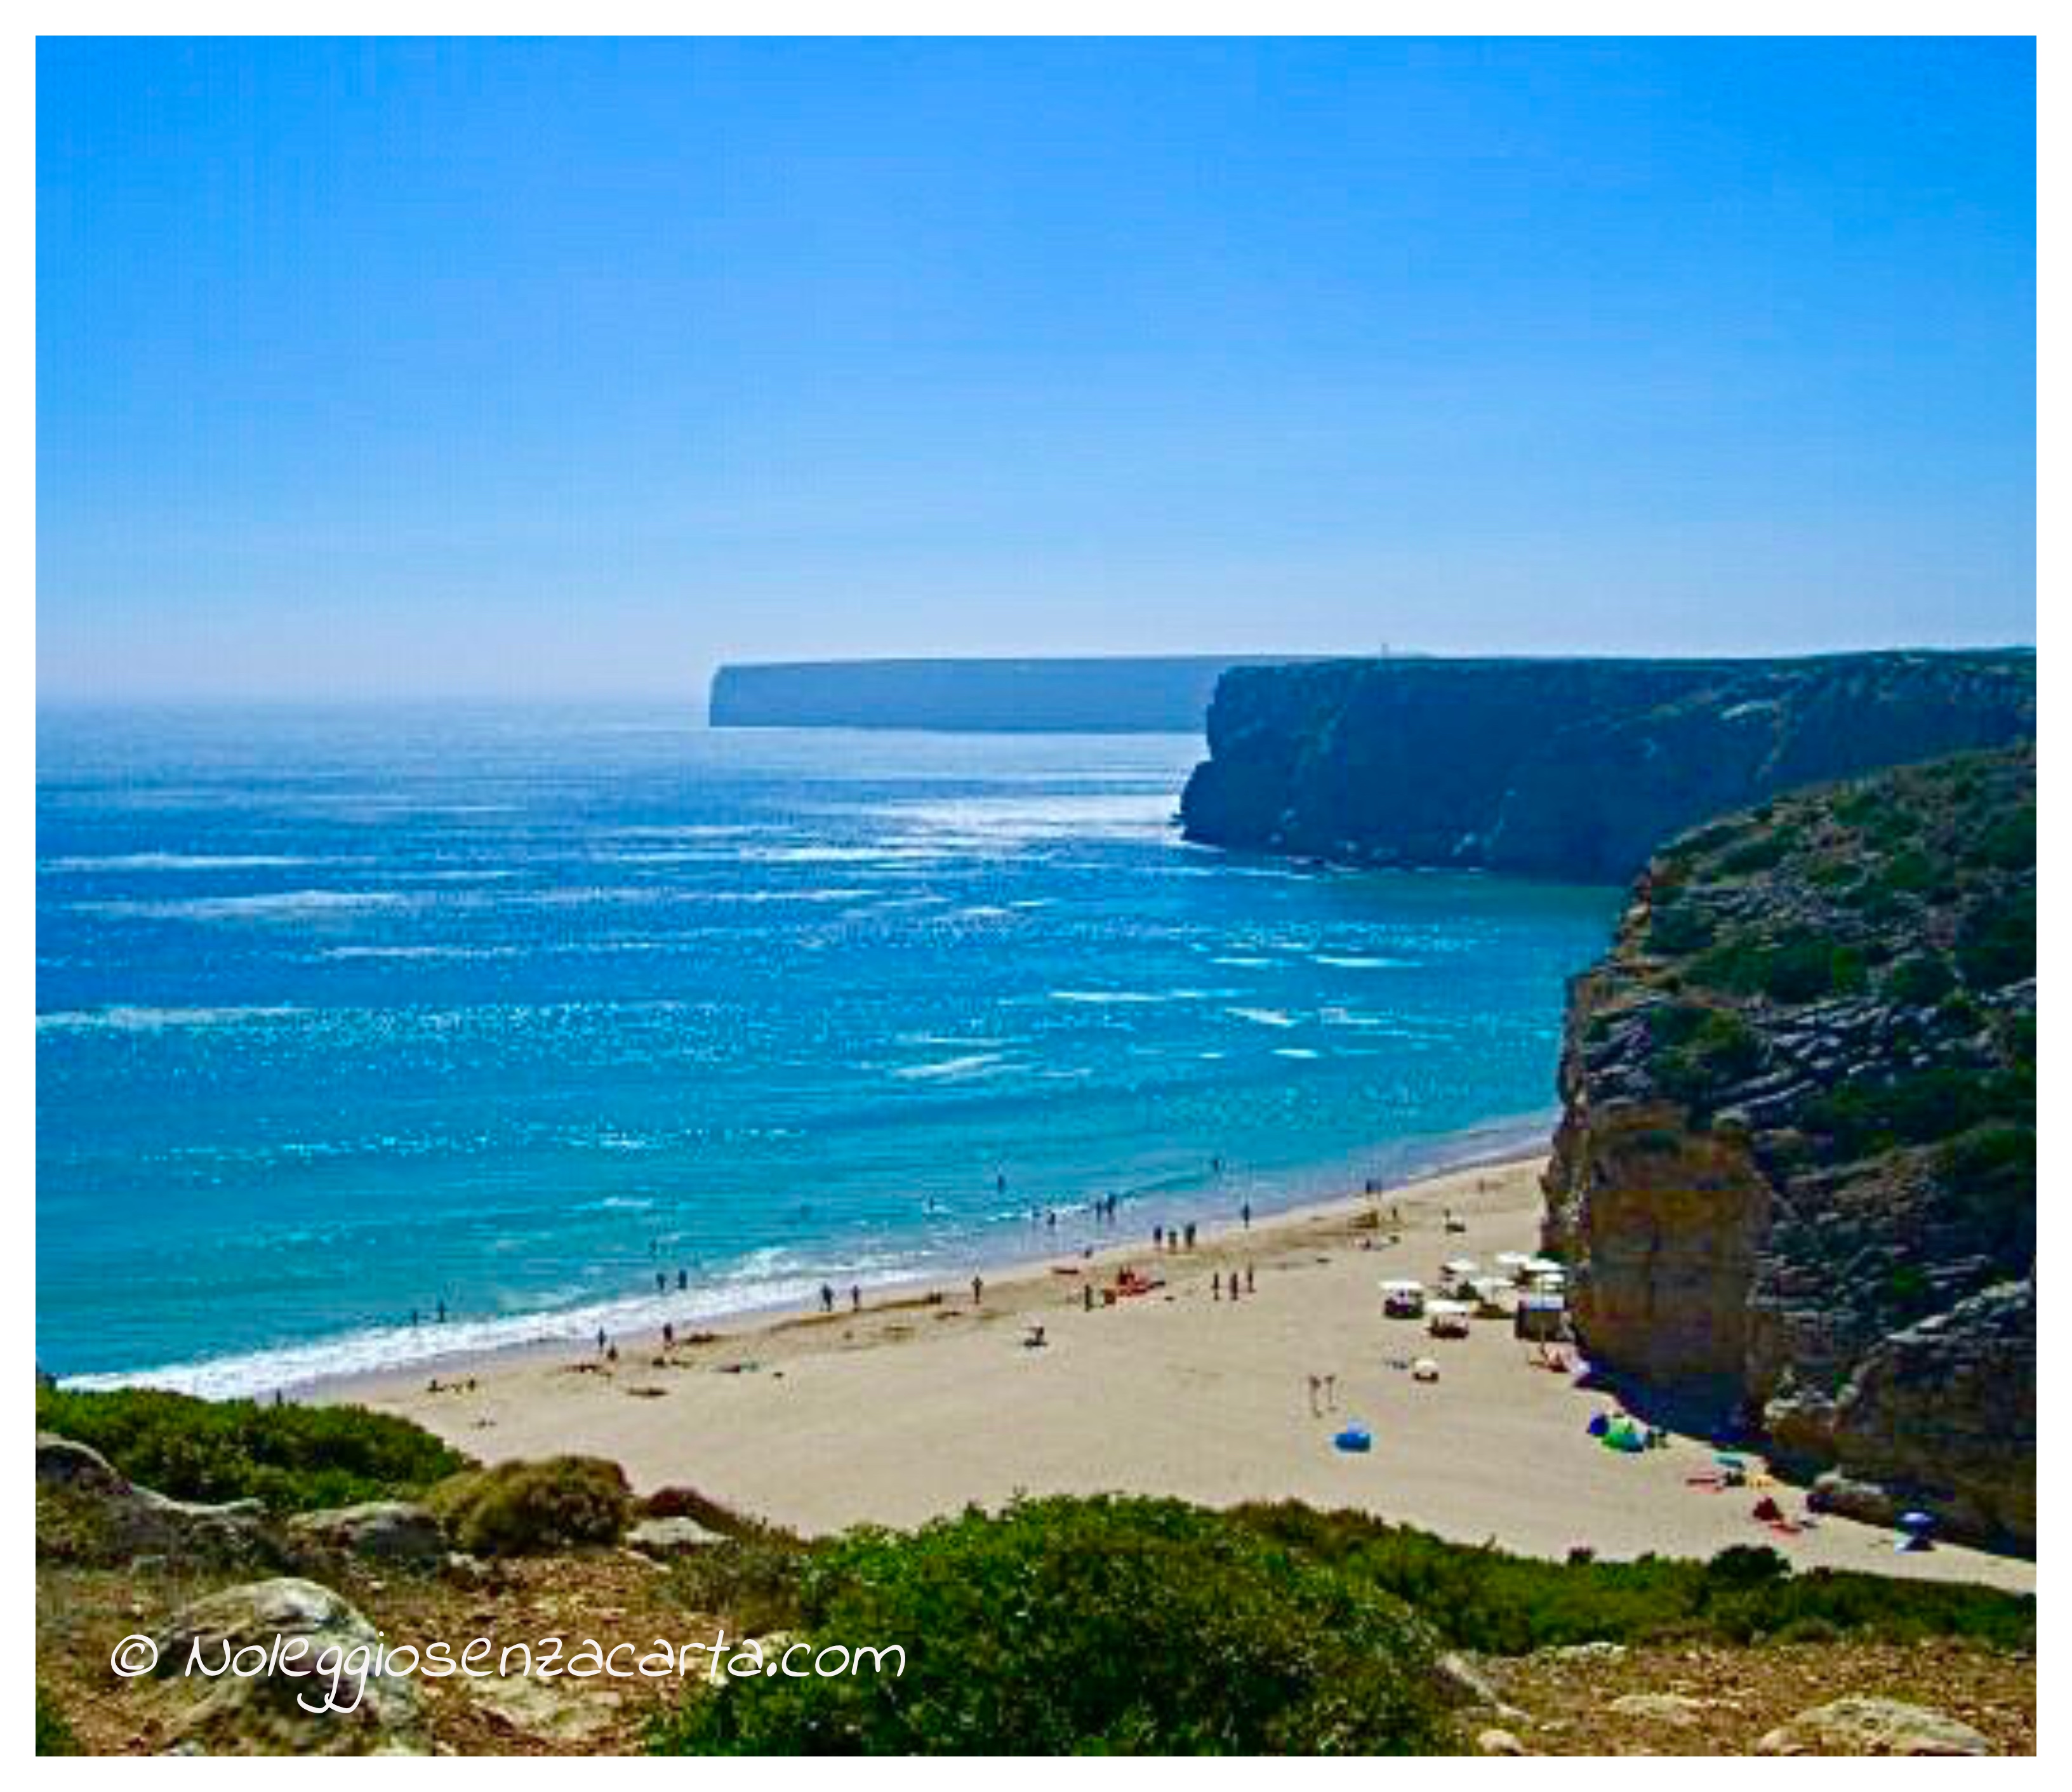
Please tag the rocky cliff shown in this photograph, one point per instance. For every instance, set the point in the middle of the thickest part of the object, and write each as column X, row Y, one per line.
column 1796, row 1168
column 1573, row 768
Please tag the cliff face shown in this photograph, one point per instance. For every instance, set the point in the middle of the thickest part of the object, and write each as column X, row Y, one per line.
column 1796, row 1167
column 1097, row 696
column 1573, row 768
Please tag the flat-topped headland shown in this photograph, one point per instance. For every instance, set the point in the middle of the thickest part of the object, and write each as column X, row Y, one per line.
column 1567, row 769
column 1090, row 696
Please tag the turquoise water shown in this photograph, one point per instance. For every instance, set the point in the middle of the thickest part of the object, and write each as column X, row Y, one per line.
column 344, row 1015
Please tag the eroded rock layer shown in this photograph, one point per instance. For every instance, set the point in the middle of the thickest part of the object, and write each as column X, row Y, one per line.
column 1796, row 1167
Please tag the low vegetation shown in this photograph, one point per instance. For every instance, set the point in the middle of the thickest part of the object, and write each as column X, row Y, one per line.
column 290, row 1459
column 1485, row 1599
column 1103, row 1625
column 534, row 1508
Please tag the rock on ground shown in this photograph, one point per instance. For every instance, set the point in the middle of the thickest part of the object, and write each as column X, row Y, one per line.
column 1866, row 1726
column 107, row 1517
column 266, row 1710
column 671, row 1536
column 389, row 1530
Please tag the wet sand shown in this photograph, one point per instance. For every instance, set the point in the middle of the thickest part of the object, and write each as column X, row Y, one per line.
column 925, row 1402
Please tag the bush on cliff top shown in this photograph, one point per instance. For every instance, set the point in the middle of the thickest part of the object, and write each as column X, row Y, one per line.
column 292, row 1458
column 1104, row 1625
column 535, row 1508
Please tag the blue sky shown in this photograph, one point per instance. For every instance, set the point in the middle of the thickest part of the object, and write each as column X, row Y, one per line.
column 574, row 368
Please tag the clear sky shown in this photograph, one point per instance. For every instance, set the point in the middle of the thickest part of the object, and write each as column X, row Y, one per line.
column 575, row 368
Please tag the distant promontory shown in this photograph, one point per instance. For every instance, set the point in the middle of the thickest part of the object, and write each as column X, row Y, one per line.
column 1037, row 695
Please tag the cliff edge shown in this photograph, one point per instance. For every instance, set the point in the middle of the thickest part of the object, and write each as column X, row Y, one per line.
column 1795, row 1172
column 1573, row 769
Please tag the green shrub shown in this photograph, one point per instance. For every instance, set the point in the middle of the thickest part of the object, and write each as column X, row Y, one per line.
column 1996, row 946
column 752, row 1582
column 1796, row 970
column 1721, row 1049
column 1481, row 1597
column 534, row 1508
column 2009, row 845
column 1989, row 1175
column 293, row 1458
column 1763, row 853
column 54, row 1732
column 1104, row 1625
column 1920, row 980
column 1674, row 928
column 1920, row 1107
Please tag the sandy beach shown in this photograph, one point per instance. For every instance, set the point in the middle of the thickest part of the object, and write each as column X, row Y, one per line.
column 925, row 1403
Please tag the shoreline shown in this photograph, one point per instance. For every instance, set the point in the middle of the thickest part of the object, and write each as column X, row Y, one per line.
column 1006, row 1278
column 306, row 1370
column 917, row 1407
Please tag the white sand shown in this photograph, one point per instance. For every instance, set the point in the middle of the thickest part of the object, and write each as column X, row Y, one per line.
column 910, row 1411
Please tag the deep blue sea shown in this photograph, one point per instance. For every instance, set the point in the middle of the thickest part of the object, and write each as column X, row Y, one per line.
column 345, row 1014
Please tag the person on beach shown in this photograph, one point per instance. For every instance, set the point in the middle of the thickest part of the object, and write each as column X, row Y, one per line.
column 1158, row 1238
column 1233, row 1285
column 661, row 1281
column 856, row 1297
column 1316, row 1386
column 1244, row 1213
column 1087, row 1292
column 668, row 1335
column 1190, row 1235
column 683, row 1279
column 978, row 1289
column 1248, row 1278
column 1216, row 1286
column 827, row 1297
column 600, row 1339
column 443, row 1313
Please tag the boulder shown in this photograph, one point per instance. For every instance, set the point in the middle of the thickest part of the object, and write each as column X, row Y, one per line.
column 1498, row 1742
column 671, row 1537
column 1861, row 1725
column 87, row 1511
column 1848, row 1497
column 259, row 1704
column 388, row 1530
column 60, row 1462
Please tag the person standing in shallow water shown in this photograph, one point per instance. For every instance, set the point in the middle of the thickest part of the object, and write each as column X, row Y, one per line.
column 978, row 1289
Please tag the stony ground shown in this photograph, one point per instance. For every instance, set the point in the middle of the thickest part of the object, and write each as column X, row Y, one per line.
column 1596, row 1699
column 1705, row 1700
column 82, row 1614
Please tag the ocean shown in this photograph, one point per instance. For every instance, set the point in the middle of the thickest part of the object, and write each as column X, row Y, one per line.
column 344, row 1015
